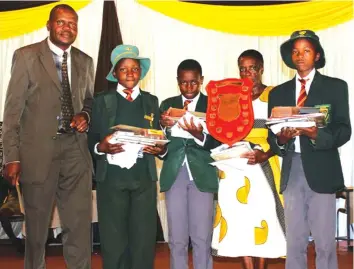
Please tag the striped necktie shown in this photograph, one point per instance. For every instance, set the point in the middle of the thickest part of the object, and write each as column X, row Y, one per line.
column 186, row 103
column 302, row 96
column 129, row 92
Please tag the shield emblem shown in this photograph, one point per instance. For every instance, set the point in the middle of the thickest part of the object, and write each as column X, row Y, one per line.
column 229, row 115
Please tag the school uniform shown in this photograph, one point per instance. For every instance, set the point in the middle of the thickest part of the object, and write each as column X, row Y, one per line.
column 126, row 198
column 311, row 169
column 189, row 183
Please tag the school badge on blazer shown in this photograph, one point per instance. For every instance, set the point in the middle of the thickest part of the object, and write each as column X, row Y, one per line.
column 229, row 115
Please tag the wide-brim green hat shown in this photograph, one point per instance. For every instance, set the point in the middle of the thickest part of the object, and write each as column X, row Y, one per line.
column 124, row 52
column 287, row 47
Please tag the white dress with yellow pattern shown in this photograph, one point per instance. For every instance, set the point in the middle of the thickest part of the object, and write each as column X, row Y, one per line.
column 249, row 218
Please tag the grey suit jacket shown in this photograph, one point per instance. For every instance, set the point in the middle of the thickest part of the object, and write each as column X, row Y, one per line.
column 33, row 104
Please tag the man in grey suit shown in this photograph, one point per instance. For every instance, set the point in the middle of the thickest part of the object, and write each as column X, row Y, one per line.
column 47, row 112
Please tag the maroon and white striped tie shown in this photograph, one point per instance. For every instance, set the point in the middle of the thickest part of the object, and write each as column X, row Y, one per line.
column 186, row 103
column 128, row 92
column 302, row 96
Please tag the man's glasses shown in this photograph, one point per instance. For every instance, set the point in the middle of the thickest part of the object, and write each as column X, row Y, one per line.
column 251, row 69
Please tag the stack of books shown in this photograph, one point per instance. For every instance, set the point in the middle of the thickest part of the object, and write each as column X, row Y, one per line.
column 130, row 134
column 177, row 113
column 224, row 152
column 295, row 117
column 227, row 157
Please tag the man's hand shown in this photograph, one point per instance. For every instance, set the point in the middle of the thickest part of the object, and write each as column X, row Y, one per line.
column 108, row 148
column 255, row 156
column 12, row 172
column 196, row 131
column 286, row 134
column 310, row 132
column 80, row 122
column 155, row 150
column 165, row 120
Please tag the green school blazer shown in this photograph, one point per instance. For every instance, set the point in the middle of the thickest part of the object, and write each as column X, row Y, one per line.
column 103, row 117
column 204, row 175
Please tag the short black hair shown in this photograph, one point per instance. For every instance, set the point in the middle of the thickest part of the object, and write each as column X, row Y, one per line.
column 61, row 6
column 189, row 65
column 255, row 54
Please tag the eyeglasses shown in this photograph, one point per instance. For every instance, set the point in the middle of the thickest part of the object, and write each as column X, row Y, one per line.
column 251, row 69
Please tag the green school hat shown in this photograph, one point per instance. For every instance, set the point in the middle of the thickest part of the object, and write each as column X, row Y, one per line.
column 287, row 47
column 124, row 52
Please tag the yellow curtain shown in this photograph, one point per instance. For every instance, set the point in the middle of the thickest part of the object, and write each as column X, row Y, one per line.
column 267, row 20
column 19, row 22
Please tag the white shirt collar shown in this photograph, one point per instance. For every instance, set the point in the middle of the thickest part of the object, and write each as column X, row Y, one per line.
column 194, row 100
column 193, row 105
column 135, row 93
column 308, row 78
column 58, row 51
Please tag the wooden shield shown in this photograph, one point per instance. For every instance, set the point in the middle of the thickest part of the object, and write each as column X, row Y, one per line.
column 229, row 115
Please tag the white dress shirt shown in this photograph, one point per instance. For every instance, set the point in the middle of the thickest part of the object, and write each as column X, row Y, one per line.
column 135, row 93
column 58, row 57
column 309, row 79
column 191, row 107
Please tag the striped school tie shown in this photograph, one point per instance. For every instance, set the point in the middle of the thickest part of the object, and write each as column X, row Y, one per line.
column 302, row 96
column 128, row 92
column 186, row 103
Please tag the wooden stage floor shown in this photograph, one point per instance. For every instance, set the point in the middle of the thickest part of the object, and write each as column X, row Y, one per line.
column 9, row 259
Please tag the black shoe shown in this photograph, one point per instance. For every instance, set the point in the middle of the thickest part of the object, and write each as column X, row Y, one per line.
column 190, row 246
column 20, row 247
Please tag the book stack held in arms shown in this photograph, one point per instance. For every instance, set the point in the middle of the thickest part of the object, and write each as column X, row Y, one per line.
column 297, row 117
column 134, row 140
column 181, row 115
column 227, row 157
column 177, row 113
column 130, row 134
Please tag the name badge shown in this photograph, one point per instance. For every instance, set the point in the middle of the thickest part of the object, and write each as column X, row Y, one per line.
column 326, row 110
column 150, row 118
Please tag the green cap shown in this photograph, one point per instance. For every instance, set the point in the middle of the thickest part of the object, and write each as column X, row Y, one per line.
column 127, row 52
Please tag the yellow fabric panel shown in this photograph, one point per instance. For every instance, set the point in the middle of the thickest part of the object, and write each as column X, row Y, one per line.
column 19, row 22
column 268, row 20
column 259, row 136
column 265, row 94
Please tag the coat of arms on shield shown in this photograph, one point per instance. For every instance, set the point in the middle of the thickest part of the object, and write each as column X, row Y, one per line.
column 229, row 115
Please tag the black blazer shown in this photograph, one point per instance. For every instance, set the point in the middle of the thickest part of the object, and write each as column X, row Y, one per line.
column 320, row 158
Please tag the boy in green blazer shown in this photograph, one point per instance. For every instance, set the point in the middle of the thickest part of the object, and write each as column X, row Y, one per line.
column 126, row 198
column 187, row 177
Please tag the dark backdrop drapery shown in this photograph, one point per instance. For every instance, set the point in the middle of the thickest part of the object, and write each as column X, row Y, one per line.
column 110, row 38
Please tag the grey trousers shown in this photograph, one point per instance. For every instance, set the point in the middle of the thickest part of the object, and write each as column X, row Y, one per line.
column 69, row 185
column 189, row 214
column 307, row 211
